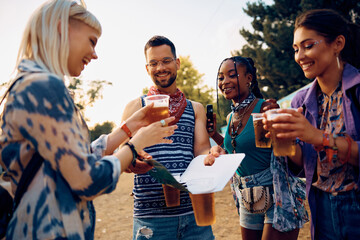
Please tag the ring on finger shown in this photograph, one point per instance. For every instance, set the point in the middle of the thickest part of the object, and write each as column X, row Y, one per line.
column 163, row 124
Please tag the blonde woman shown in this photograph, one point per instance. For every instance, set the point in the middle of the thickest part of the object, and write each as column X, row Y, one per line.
column 40, row 117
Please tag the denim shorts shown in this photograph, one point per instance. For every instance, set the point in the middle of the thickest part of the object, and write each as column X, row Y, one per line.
column 255, row 221
column 337, row 216
column 248, row 220
column 164, row 228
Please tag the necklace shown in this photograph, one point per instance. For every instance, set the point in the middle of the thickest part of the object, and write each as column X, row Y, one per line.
column 234, row 132
column 235, row 108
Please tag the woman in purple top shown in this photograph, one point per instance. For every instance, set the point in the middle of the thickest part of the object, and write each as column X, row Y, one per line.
column 327, row 121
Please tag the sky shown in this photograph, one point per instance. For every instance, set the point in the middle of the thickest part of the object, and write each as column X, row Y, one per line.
column 205, row 30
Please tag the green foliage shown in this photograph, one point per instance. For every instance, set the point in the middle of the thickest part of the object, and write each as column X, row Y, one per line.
column 190, row 82
column 269, row 44
column 85, row 96
column 221, row 111
column 99, row 129
column 145, row 90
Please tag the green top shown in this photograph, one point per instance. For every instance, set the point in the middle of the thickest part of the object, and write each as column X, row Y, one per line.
column 256, row 159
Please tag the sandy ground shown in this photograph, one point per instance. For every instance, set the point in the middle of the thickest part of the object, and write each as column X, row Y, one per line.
column 114, row 214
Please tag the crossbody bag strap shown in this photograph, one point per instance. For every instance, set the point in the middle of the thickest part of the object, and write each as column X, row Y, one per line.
column 27, row 176
column 31, row 169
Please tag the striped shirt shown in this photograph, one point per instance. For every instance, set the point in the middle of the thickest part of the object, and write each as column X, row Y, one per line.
column 149, row 200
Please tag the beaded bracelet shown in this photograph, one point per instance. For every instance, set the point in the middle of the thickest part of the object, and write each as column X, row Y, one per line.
column 134, row 152
column 331, row 152
column 325, row 143
column 335, row 148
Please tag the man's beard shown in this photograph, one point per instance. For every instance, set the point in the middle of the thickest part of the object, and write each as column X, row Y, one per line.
column 167, row 83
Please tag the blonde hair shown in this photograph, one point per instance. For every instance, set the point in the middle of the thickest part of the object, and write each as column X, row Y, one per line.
column 42, row 41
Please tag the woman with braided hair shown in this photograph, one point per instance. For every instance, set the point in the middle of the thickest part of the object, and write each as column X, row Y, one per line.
column 237, row 82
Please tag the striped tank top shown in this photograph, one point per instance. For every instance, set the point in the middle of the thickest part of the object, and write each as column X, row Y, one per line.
column 149, row 200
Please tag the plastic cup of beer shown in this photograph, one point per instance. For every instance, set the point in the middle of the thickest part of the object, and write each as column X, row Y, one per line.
column 281, row 146
column 172, row 195
column 202, row 200
column 260, row 140
column 204, row 208
column 160, row 109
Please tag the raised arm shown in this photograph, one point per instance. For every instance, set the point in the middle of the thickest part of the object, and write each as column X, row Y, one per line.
column 201, row 139
column 119, row 136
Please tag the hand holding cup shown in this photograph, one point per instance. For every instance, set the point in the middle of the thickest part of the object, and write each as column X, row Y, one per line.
column 153, row 134
column 282, row 146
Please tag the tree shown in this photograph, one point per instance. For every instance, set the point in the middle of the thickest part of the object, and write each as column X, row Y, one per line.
column 222, row 111
column 99, row 129
column 190, row 82
column 269, row 44
column 86, row 98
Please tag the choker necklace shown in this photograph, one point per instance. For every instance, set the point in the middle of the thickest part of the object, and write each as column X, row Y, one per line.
column 234, row 132
column 235, row 108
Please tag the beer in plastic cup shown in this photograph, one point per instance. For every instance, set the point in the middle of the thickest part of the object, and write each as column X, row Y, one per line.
column 172, row 196
column 281, row 146
column 204, row 208
column 160, row 109
column 260, row 140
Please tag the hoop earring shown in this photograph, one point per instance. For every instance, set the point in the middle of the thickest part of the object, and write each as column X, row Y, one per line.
column 338, row 62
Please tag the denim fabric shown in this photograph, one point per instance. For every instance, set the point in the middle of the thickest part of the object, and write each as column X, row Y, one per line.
column 165, row 228
column 289, row 197
column 255, row 221
column 338, row 217
column 263, row 178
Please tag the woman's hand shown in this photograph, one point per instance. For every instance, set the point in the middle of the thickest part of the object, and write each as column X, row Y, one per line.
column 141, row 167
column 211, row 126
column 269, row 104
column 153, row 134
column 294, row 125
column 140, row 118
column 214, row 152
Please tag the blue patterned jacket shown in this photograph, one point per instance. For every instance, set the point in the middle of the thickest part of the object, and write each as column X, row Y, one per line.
column 40, row 116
